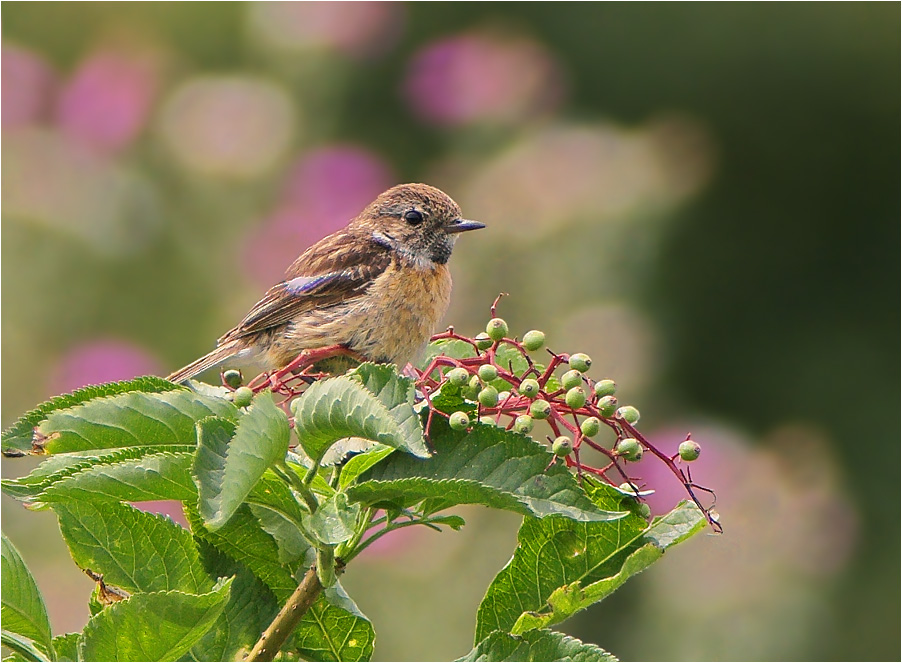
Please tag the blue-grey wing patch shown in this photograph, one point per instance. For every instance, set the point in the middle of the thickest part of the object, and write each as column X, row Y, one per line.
column 293, row 297
column 300, row 284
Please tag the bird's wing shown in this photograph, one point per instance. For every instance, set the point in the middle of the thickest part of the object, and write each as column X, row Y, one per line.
column 333, row 270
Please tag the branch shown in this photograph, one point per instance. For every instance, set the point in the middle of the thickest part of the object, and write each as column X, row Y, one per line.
column 289, row 616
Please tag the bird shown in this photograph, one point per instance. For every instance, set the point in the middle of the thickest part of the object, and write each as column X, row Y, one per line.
column 377, row 287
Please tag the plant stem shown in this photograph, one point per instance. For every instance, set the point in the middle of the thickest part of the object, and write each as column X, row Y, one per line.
column 390, row 527
column 311, row 474
column 365, row 522
column 289, row 616
column 299, row 486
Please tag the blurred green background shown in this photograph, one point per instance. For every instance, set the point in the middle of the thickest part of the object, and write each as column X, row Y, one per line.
column 704, row 197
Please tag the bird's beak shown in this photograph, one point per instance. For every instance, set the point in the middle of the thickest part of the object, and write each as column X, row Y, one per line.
column 462, row 225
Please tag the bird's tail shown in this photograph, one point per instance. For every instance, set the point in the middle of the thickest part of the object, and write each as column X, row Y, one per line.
column 209, row 360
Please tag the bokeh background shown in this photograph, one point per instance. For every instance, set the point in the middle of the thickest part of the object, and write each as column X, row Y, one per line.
column 704, row 197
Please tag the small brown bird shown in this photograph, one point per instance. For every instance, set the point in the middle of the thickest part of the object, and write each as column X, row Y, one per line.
column 378, row 287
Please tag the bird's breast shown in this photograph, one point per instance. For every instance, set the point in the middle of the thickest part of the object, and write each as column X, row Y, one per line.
column 400, row 311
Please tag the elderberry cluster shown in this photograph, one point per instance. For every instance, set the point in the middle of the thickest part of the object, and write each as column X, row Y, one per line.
column 509, row 388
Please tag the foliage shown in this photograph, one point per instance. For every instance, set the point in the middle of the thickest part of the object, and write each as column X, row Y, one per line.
column 272, row 530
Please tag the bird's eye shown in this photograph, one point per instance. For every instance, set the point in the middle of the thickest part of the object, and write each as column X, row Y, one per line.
column 413, row 217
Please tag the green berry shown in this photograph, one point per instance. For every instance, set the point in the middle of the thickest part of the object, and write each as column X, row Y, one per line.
column 540, row 409
column 605, row 388
column 459, row 421
column 242, row 396
column 503, row 396
column 644, row 510
column 576, row 398
column 483, row 342
column 232, row 378
column 471, row 391
column 580, row 362
column 487, row 372
column 489, row 421
column 496, row 329
column 629, row 414
column 533, row 340
column 571, row 379
column 590, row 426
column 488, row 397
column 523, row 424
column 529, row 388
column 458, row 376
column 690, row 450
column 562, row 446
column 607, row 405
column 629, row 449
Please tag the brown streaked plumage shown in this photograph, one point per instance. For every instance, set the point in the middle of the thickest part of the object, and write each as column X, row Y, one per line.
column 378, row 286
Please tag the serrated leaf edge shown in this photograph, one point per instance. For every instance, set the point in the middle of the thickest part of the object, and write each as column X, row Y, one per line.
column 47, row 406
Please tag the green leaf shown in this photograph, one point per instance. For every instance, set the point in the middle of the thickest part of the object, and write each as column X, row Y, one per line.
column 20, row 434
column 449, row 404
column 334, row 521
column 131, row 419
column 244, row 540
column 383, row 382
column 250, row 609
column 541, row 645
column 291, row 543
column 684, row 521
column 373, row 403
column 452, row 521
column 66, row 647
column 156, row 626
column 361, row 463
column 272, row 492
column 678, row 525
column 134, row 550
column 25, row 648
column 334, row 629
column 23, row 610
column 206, row 389
column 488, row 465
column 228, row 465
column 162, row 476
column 159, row 476
column 59, row 467
column 560, row 567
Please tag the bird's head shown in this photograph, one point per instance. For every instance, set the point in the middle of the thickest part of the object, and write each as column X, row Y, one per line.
column 417, row 220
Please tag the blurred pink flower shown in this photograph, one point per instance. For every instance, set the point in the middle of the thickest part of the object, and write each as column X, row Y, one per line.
column 483, row 77
column 170, row 508
column 339, row 180
column 27, row 87
column 100, row 361
column 108, row 98
column 786, row 490
column 354, row 28
column 322, row 192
